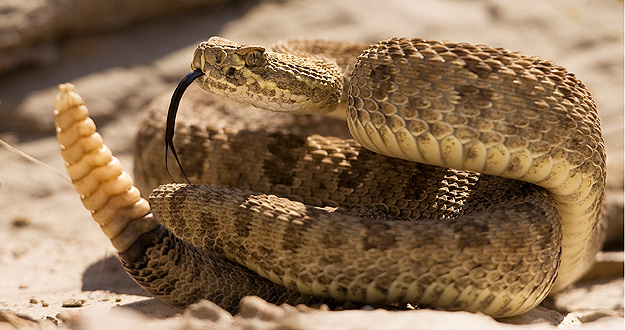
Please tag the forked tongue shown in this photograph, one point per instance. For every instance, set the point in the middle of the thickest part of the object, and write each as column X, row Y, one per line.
column 171, row 116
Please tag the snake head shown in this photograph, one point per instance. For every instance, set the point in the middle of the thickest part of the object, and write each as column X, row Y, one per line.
column 225, row 64
column 267, row 80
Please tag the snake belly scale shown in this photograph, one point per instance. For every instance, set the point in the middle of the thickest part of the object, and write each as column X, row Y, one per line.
column 476, row 181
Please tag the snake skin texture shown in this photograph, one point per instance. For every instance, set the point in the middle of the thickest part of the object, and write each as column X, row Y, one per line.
column 435, row 215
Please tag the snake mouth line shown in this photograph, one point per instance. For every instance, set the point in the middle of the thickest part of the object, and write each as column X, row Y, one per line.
column 171, row 117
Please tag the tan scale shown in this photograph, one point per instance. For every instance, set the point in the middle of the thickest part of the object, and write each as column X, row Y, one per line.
column 322, row 219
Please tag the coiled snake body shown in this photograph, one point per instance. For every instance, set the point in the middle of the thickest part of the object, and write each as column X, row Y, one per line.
column 313, row 218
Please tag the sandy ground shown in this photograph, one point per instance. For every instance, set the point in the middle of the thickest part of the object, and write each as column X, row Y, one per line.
column 52, row 254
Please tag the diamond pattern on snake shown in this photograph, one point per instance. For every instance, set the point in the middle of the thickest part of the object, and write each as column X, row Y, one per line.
column 409, row 171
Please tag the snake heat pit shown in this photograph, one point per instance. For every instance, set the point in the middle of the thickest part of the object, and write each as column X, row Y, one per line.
column 475, row 181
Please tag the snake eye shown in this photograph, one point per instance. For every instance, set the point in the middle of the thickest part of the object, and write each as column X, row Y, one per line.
column 254, row 58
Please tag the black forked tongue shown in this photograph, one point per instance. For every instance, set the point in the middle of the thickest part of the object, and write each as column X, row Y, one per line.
column 171, row 117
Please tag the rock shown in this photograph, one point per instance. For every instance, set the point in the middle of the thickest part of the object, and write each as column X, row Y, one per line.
column 608, row 265
column 256, row 308
column 613, row 323
column 73, row 303
column 539, row 314
column 207, row 310
column 263, row 315
column 613, row 211
column 118, row 319
column 589, row 296
column 29, row 30
column 16, row 321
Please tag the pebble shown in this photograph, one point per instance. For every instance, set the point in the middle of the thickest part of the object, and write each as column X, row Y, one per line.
column 69, row 303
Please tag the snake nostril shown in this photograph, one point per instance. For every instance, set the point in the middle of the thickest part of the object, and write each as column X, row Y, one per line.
column 230, row 71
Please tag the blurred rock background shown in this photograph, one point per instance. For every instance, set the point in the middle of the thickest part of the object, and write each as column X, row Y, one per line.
column 123, row 54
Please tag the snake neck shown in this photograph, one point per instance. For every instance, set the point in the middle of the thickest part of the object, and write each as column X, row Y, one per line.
column 268, row 80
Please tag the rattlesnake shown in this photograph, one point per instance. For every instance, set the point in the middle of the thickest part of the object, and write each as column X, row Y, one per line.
column 320, row 219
